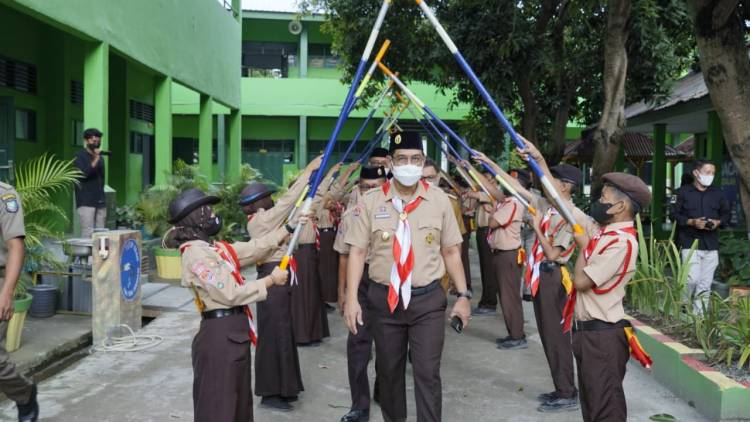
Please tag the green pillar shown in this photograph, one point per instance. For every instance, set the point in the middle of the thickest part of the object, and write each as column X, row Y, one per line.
column 96, row 92
column 234, row 147
column 658, row 178
column 303, row 52
column 715, row 144
column 163, row 129
column 205, row 136
column 302, row 143
column 672, row 139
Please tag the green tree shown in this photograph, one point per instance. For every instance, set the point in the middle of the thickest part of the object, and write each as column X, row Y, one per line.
column 721, row 30
column 543, row 61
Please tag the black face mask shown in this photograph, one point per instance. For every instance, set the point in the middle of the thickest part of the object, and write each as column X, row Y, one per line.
column 599, row 212
column 95, row 145
column 213, row 226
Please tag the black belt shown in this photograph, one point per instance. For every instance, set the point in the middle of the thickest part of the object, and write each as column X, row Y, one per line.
column 221, row 313
column 307, row 246
column 548, row 266
column 599, row 325
column 497, row 251
column 327, row 229
column 416, row 291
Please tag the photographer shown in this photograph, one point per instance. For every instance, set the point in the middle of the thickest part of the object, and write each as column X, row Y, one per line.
column 700, row 210
column 90, row 203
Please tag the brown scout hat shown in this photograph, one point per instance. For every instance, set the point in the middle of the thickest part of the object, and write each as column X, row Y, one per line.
column 631, row 185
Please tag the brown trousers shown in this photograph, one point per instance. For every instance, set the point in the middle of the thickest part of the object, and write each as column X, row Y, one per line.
column 420, row 329
column 601, row 357
column 465, row 259
column 222, row 371
column 277, row 370
column 359, row 351
column 309, row 317
column 548, row 306
column 328, row 266
column 489, row 284
column 14, row 385
column 507, row 274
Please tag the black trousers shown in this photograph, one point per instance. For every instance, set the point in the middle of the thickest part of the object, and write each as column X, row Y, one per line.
column 489, row 285
column 359, row 351
column 420, row 329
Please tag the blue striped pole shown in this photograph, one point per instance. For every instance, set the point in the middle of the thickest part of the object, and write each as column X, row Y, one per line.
column 348, row 105
column 549, row 187
column 362, row 128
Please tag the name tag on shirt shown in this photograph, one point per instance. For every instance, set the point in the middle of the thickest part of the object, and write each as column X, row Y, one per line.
column 382, row 216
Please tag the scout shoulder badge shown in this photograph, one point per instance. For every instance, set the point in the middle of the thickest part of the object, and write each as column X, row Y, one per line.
column 10, row 201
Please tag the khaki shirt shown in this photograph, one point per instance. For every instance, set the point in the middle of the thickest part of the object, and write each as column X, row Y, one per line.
column 205, row 269
column 562, row 233
column 507, row 237
column 265, row 221
column 604, row 267
column 484, row 210
column 11, row 218
column 457, row 211
column 339, row 244
column 433, row 227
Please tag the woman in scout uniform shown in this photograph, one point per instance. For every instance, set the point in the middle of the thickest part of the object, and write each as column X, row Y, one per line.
column 413, row 221
column 221, row 349
column 359, row 345
column 278, row 378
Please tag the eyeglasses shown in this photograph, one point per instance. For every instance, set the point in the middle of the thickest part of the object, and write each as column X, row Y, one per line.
column 402, row 160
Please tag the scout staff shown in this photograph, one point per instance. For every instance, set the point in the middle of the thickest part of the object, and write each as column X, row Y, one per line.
column 14, row 385
column 594, row 309
column 410, row 231
column 278, row 378
column 359, row 345
column 221, row 349
column 548, row 278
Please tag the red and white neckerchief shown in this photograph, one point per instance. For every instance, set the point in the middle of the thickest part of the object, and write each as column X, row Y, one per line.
column 293, row 280
column 630, row 233
column 536, row 256
column 403, row 253
column 317, row 237
column 500, row 205
column 233, row 262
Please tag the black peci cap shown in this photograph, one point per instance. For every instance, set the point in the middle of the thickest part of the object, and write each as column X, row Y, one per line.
column 405, row 140
column 372, row 173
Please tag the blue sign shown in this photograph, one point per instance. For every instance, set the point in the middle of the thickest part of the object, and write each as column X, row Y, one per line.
column 130, row 270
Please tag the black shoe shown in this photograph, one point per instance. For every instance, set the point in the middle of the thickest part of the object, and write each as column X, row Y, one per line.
column 513, row 344
column 560, row 404
column 482, row 311
column 276, row 403
column 356, row 415
column 527, row 298
column 290, row 399
column 499, row 341
column 329, row 308
column 29, row 412
column 545, row 397
column 316, row 343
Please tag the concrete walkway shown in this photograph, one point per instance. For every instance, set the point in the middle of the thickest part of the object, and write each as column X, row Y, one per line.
column 480, row 383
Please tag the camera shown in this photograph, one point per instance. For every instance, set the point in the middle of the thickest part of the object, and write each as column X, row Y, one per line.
column 709, row 224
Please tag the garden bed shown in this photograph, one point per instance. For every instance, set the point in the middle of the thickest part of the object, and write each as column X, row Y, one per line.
column 680, row 368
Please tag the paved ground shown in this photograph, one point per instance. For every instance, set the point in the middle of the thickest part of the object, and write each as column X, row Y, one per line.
column 480, row 383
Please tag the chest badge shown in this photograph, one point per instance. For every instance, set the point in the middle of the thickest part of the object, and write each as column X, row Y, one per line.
column 430, row 238
column 385, row 236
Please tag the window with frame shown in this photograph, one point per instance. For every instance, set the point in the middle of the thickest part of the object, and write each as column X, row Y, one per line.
column 17, row 75
column 268, row 60
column 320, row 56
column 25, row 124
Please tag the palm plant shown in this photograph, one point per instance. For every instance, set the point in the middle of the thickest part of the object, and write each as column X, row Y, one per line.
column 37, row 182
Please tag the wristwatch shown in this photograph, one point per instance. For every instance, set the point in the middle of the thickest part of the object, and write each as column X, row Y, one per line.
column 289, row 228
column 467, row 294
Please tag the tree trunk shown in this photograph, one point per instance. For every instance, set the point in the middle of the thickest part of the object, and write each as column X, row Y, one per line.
column 530, row 109
column 609, row 131
column 562, row 115
column 720, row 35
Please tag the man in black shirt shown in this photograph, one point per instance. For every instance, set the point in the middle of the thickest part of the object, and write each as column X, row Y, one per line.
column 700, row 210
column 90, row 204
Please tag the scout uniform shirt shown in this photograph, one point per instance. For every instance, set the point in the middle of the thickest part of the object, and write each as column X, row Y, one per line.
column 507, row 237
column 11, row 219
column 204, row 268
column 484, row 209
column 265, row 221
column 610, row 266
column 457, row 212
column 561, row 233
column 432, row 227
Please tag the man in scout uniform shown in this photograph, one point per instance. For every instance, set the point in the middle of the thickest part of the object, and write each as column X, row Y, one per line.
column 14, row 385
column 409, row 229
column 548, row 278
column 359, row 345
column 378, row 158
column 601, row 334
column 278, row 379
column 488, row 301
column 221, row 349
